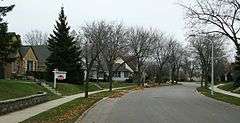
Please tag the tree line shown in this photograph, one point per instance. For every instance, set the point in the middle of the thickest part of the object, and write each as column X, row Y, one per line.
column 216, row 17
column 158, row 57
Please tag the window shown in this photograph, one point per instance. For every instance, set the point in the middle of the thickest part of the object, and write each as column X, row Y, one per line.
column 117, row 74
column 29, row 65
column 14, row 67
column 126, row 74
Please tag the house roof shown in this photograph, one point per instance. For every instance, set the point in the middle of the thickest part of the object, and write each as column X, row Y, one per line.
column 131, row 61
column 41, row 52
column 103, row 66
column 121, row 67
column 23, row 50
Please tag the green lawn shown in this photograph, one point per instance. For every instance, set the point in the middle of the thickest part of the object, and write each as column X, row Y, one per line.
column 68, row 112
column 219, row 96
column 10, row 89
column 13, row 89
column 70, row 89
column 229, row 87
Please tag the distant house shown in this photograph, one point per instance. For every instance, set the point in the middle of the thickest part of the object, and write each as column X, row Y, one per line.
column 28, row 58
column 122, row 71
column 33, row 58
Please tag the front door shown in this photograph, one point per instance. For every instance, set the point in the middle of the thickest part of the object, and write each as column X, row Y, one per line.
column 29, row 65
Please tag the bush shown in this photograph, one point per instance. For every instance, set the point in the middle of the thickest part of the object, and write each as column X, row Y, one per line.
column 18, row 76
column 37, row 74
column 129, row 80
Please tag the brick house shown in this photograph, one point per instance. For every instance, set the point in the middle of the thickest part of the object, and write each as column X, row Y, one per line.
column 28, row 58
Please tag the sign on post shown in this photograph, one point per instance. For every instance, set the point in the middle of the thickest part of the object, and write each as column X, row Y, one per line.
column 58, row 75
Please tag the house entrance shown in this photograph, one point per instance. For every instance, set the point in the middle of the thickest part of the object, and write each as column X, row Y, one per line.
column 29, row 65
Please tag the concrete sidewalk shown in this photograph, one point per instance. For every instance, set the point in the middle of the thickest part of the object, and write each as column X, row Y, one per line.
column 216, row 89
column 18, row 116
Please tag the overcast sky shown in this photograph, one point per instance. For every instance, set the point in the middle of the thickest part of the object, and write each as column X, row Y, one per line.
column 164, row 15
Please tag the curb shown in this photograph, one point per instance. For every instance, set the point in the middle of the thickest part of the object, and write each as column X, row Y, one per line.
column 79, row 120
column 229, row 93
column 220, row 101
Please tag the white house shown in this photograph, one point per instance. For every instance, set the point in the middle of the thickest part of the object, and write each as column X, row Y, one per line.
column 123, row 72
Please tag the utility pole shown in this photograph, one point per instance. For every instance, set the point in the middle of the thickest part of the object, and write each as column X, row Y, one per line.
column 212, row 60
column 212, row 78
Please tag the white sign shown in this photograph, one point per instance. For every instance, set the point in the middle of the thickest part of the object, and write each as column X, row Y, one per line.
column 60, row 75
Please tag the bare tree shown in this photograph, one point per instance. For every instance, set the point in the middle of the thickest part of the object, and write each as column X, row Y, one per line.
column 217, row 16
column 189, row 65
column 175, row 60
column 141, row 44
column 94, row 34
column 162, row 54
column 202, row 49
column 36, row 37
column 113, row 46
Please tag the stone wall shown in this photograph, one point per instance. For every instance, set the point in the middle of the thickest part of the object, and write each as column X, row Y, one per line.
column 12, row 105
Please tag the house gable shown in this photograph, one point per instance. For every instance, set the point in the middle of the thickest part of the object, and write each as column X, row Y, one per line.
column 30, row 55
column 121, row 61
column 30, row 60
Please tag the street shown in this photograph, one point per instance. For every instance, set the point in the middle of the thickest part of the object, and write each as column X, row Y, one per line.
column 170, row 104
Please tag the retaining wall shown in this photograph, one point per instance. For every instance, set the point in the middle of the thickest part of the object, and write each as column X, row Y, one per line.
column 12, row 105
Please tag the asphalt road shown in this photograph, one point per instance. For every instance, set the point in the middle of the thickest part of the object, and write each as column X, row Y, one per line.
column 172, row 104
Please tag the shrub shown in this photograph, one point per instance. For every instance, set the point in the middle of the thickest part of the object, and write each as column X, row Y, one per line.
column 37, row 74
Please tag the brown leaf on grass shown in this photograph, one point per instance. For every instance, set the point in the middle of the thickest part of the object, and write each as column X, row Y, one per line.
column 138, row 88
column 71, row 114
column 117, row 94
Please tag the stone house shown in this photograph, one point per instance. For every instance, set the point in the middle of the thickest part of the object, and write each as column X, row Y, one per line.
column 28, row 58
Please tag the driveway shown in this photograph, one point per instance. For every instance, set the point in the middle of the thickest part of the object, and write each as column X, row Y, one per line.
column 170, row 104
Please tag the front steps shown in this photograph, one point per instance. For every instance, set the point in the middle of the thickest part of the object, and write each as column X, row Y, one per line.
column 50, row 88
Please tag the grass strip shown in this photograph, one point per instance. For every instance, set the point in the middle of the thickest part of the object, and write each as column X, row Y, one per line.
column 71, row 111
column 229, row 87
column 219, row 96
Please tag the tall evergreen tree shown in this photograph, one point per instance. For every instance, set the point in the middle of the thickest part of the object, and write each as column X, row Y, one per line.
column 8, row 46
column 65, row 54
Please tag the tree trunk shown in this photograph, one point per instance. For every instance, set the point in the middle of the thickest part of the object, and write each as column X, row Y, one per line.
column 97, row 75
column 206, row 80
column 86, row 84
column 202, row 76
column 178, row 75
column 110, row 81
column 139, row 75
column 173, row 74
column 159, row 75
column 98, row 70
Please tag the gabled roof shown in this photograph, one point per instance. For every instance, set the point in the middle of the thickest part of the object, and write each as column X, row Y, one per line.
column 23, row 50
column 131, row 61
column 40, row 51
column 120, row 67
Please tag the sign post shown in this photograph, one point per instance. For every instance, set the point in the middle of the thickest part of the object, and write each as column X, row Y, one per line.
column 58, row 75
